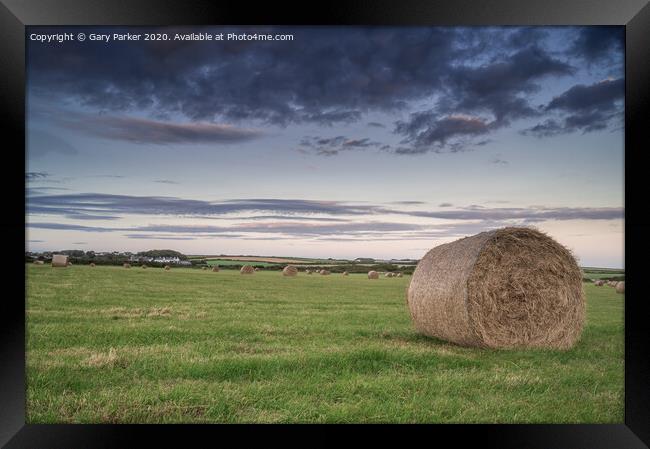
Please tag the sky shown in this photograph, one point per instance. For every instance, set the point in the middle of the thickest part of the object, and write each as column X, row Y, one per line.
column 341, row 142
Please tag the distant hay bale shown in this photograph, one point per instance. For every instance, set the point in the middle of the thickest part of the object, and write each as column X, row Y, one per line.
column 39, row 262
column 290, row 270
column 69, row 263
column 127, row 265
column 215, row 269
column 308, row 271
column 59, row 260
column 92, row 264
column 345, row 273
column 257, row 269
column 167, row 268
column 399, row 275
column 247, row 269
column 204, row 268
column 324, row 272
column 599, row 283
column 144, row 267
column 507, row 288
column 373, row 275
column 620, row 287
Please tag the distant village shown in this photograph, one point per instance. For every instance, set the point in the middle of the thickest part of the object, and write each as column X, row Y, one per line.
column 154, row 257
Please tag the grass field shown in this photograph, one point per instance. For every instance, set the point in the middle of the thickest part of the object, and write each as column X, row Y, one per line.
column 107, row 344
column 228, row 262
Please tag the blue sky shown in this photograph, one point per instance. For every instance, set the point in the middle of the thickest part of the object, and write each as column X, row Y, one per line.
column 345, row 142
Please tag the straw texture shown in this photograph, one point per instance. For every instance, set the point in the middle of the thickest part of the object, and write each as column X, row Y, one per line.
column 290, row 270
column 373, row 275
column 247, row 269
column 512, row 287
column 59, row 260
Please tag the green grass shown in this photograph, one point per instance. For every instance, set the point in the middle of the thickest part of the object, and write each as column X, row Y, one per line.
column 602, row 273
column 228, row 262
column 107, row 344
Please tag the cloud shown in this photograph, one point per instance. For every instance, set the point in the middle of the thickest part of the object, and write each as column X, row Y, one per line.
column 478, row 100
column 445, row 205
column 425, row 132
column 497, row 160
column 97, row 203
column 585, row 108
column 319, row 77
column 68, row 227
column 325, row 76
column 528, row 215
column 597, row 44
column 139, row 130
column 332, row 146
column 32, row 176
column 601, row 96
column 94, row 205
column 376, row 125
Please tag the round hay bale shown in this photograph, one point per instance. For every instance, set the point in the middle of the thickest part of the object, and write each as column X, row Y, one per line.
column 127, row 265
column 399, row 275
column 215, row 269
column 257, row 269
column 144, row 267
column 247, row 269
column 324, row 272
column 39, row 262
column 512, row 287
column 204, row 268
column 167, row 268
column 290, row 270
column 308, row 271
column 59, row 260
column 373, row 275
column 345, row 273
column 69, row 264
column 599, row 283
column 92, row 264
column 620, row 287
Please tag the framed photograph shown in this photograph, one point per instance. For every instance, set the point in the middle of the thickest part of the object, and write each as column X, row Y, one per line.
column 416, row 212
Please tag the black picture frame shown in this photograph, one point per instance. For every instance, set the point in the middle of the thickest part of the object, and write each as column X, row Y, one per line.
column 633, row 14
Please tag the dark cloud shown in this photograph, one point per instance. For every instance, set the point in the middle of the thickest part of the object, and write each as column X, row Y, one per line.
column 99, row 206
column 139, row 130
column 376, row 125
column 599, row 44
column 32, row 176
column 331, row 146
column 319, row 77
column 445, row 205
column 586, row 108
column 425, row 132
column 602, row 96
column 498, row 89
column 103, row 204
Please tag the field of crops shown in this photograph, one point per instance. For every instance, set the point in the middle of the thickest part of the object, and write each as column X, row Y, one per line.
column 112, row 345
